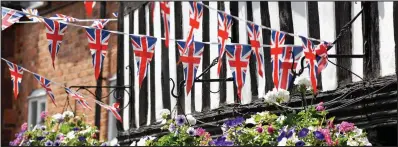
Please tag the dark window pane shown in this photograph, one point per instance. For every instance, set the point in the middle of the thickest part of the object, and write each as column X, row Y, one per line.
column 33, row 113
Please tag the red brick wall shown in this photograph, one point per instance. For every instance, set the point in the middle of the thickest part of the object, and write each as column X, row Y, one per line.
column 26, row 45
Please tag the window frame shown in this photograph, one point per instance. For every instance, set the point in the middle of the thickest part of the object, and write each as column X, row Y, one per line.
column 39, row 96
column 112, row 129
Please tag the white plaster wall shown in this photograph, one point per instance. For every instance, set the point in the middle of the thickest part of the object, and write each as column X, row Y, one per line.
column 136, row 87
column 387, row 43
column 158, row 60
column 126, row 72
column 230, row 85
column 172, row 54
column 256, row 8
column 213, row 33
column 185, row 20
column 246, row 90
column 357, row 43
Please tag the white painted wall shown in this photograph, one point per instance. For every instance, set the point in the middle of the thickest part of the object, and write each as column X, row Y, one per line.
column 213, row 33
column 246, row 90
column 387, row 43
column 126, row 72
column 256, row 8
column 198, row 85
column 158, row 60
column 185, row 20
column 172, row 55
column 136, row 87
column 357, row 43
column 230, row 85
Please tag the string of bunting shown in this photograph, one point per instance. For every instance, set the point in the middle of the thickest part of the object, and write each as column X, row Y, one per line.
column 16, row 73
column 283, row 57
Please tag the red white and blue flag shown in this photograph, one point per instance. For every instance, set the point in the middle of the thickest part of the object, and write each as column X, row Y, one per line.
column 100, row 23
column 290, row 58
column 115, row 14
column 45, row 83
column 254, row 33
column 238, row 59
column 89, row 5
column 276, row 51
column 33, row 17
column 311, row 62
column 54, row 32
column 63, row 18
column 195, row 18
column 98, row 43
column 143, row 47
column 9, row 17
column 224, row 25
column 113, row 109
column 322, row 55
column 190, row 61
column 80, row 99
column 165, row 10
column 16, row 73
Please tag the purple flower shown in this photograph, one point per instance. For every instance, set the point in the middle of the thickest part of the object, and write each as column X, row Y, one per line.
column 57, row 143
column 82, row 138
column 43, row 115
column 12, row 143
column 39, row 138
column 300, row 143
column 172, row 128
column 48, row 143
column 221, row 142
column 43, row 128
column 318, row 135
column 104, row 144
column 75, row 129
column 281, row 136
column 191, row 131
column 320, row 107
column 290, row 133
column 303, row 132
column 180, row 120
column 24, row 127
column 346, row 126
column 239, row 120
column 45, row 133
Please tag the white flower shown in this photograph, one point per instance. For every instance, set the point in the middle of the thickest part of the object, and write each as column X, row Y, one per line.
column 351, row 142
column 191, row 131
column 284, row 95
column 364, row 141
column 250, row 121
column 57, row 116
column 133, row 144
column 281, row 118
column 277, row 95
column 358, row 132
column 113, row 142
column 271, row 96
column 303, row 81
column 164, row 113
column 191, row 120
column 263, row 113
column 143, row 140
column 70, row 135
column 311, row 128
column 164, row 121
column 282, row 142
column 67, row 114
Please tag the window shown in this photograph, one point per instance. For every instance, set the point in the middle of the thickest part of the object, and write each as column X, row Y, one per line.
column 112, row 130
column 37, row 103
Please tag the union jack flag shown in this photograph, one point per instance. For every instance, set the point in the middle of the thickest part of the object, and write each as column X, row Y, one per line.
column 238, row 59
column 16, row 77
column 33, row 17
column 63, row 18
column 254, row 33
column 100, row 23
column 98, row 44
column 322, row 55
column 143, row 47
column 290, row 53
column 80, row 99
column 89, row 5
column 115, row 14
column 165, row 10
column 113, row 109
column 55, row 32
column 310, row 58
column 277, row 42
column 45, row 83
column 224, row 25
column 195, row 18
column 9, row 17
column 190, row 61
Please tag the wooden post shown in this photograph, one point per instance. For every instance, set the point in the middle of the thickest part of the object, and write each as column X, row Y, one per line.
column 370, row 30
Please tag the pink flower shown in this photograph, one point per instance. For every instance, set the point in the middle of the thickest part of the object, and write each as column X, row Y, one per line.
column 43, row 114
column 270, row 130
column 24, row 127
column 346, row 126
column 330, row 124
column 320, row 107
column 200, row 131
column 326, row 133
column 260, row 129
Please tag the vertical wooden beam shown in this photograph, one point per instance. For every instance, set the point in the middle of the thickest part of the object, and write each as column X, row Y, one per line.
column 314, row 31
column 132, row 74
column 143, row 95
column 265, row 21
column 180, row 72
column 152, row 68
column 252, row 62
column 234, row 7
column 206, row 60
column 286, row 20
column 223, row 72
column 120, row 62
column 370, row 30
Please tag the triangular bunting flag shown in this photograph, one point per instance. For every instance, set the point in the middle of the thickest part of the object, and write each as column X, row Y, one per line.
column 98, row 44
column 322, row 58
column 115, row 14
column 289, row 54
column 54, row 32
column 80, row 99
column 276, row 51
column 9, row 17
column 16, row 73
column 143, row 47
column 89, row 5
column 310, row 58
column 238, row 59
column 254, row 33
column 224, row 25
column 190, row 61
column 32, row 17
column 100, row 23
column 165, row 10
column 195, row 18
column 65, row 18
column 113, row 109
column 45, row 83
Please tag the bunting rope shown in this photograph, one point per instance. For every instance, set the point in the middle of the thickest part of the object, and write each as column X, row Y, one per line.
column 77, row 20
column 123, row 33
